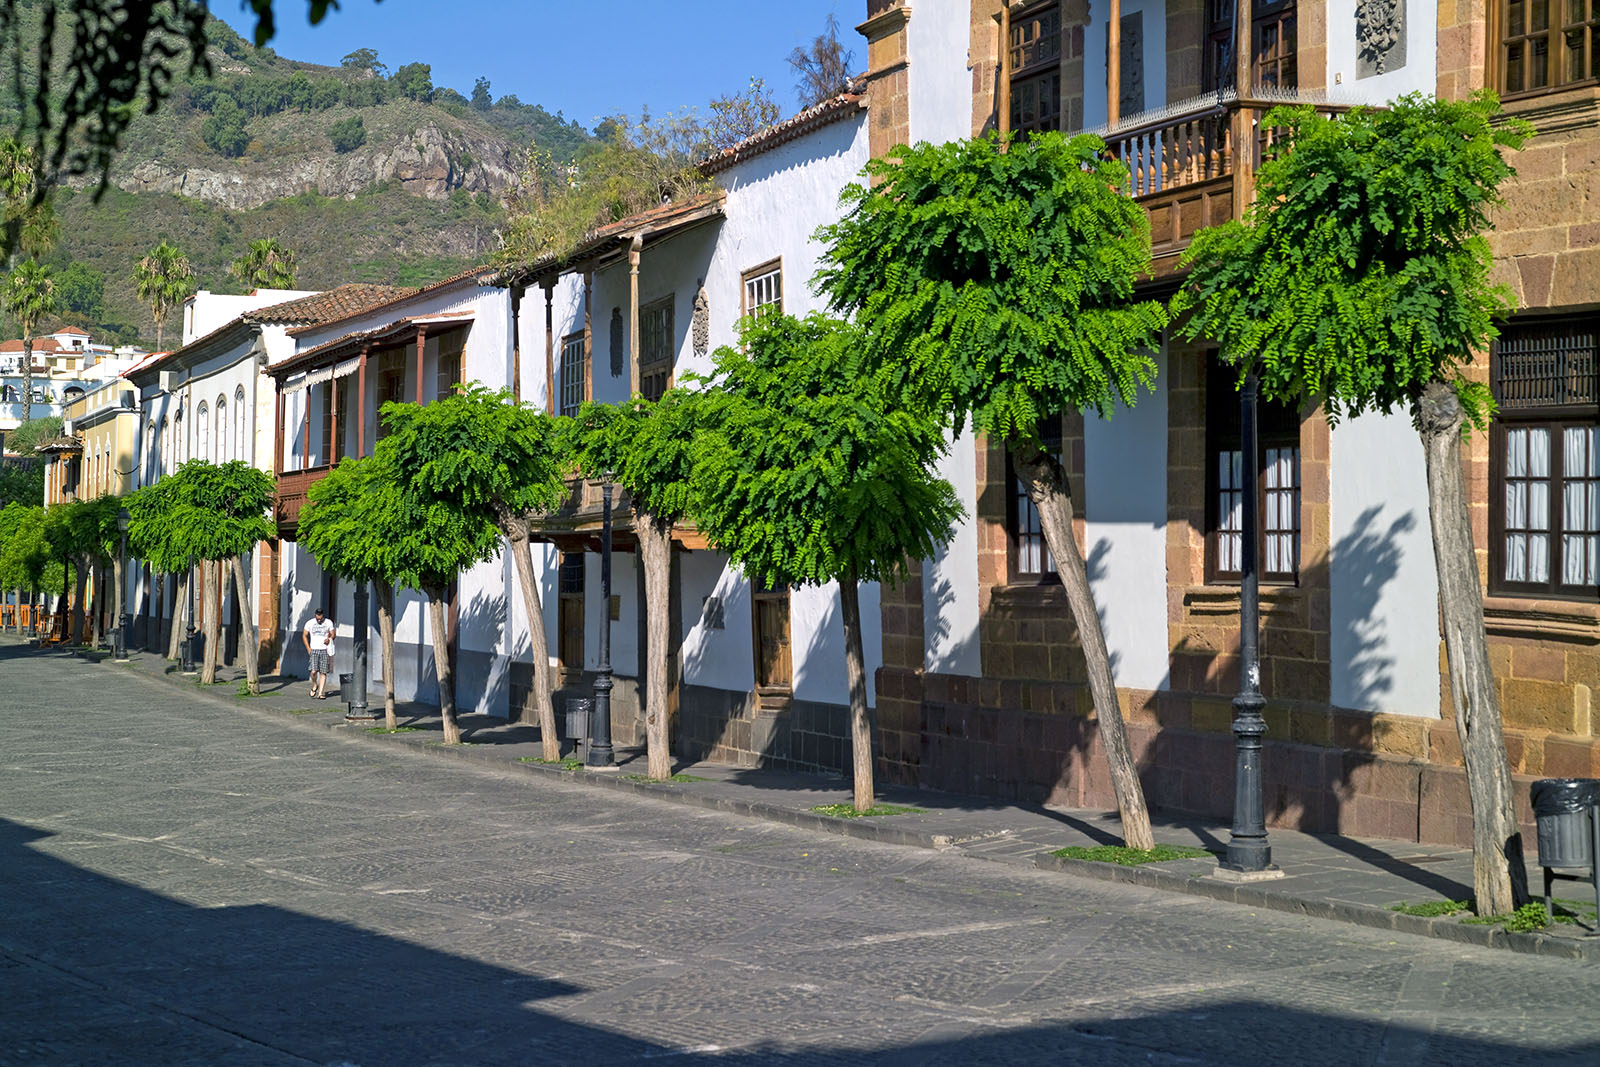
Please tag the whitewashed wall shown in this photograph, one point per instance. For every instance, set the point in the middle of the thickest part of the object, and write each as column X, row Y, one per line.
column 1419, row 75
column 938, row 41
column 1384, row 589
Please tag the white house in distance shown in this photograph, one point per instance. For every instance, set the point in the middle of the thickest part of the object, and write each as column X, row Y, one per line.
column 205, row 400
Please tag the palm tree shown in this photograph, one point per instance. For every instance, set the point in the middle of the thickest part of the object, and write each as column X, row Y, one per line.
column 266, row 264
column 164, row 280
column 30, row 295
column 30, row 224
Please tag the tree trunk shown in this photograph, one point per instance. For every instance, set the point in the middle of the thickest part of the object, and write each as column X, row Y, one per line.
column 1047, row 489
column 386, row 636
column 441, row 667
column 208, row 618
column 655, row 552
column 97, row 583
column 855, row 665
column 180, row 605
column 27, row 376
column 516, row 529
column 1499, row 879
column 247, row 635
column 119, row 580
column 80, row 590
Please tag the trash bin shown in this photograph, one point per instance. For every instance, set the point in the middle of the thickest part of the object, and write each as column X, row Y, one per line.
column 347, row 688
column 579, row 711
column 1562, row 810
column 197, row 648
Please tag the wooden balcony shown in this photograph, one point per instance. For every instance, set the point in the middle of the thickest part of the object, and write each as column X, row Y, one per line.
column 575, row 526
column 292, row 487
column 1184, row 165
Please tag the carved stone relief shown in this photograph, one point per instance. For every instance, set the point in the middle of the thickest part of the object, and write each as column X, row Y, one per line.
column 1380, row 37
column 617, row 345
column 700, row 325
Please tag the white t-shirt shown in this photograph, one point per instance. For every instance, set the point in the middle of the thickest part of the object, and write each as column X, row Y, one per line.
column 320, row 634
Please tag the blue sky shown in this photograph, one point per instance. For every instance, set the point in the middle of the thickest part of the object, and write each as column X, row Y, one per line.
column 584, row 59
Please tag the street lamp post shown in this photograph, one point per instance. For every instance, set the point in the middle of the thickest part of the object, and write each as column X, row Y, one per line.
column 186, row 646
column 120, row 653
column 358, row 659
column 600, row 753
column 1249, row 854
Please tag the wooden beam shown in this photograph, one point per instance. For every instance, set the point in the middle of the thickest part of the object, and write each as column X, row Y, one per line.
column 634, row 248
column 549, row 347
column 588, row 336
column 517, row 292
column 422, row 345
column 277, row 431
column 1002, row 107
column 1114, row 64
column 1244, row 126
column 361, row 401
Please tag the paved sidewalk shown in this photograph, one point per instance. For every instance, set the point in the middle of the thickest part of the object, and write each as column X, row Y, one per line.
column 1342, row 878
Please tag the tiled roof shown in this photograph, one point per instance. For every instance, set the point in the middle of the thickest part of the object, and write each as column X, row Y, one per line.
column 75, row 330
column 41, row 346
column 329, row 306
column 59, row 444
column 352, row 342
column 831, row 110
column 401, row 295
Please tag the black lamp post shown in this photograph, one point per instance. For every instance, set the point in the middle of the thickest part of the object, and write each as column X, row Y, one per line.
column 358, row 659
column 186, row 646
column 600, row 753
column 1248, row 851
column 120, row 648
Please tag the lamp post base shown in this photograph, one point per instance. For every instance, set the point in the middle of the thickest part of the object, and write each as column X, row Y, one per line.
column 1224, row 873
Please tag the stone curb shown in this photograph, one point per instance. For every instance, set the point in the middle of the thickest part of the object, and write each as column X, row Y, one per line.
column 1148, row 876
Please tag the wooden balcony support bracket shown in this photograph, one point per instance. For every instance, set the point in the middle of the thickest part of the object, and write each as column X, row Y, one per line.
column 361, row 401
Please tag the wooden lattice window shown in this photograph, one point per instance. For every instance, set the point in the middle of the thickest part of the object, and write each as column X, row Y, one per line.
column 1277, row 484
column 1546, row 44
column 1030, row 561
column 763, row 289
column 1035, row 65
column 574, row 374
column 656, row 348
column 1545, row 459
column 391, row 384
column 452, row 348
column 1273, row 41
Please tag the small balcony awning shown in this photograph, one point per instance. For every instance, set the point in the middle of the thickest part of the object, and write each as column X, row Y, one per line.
column 342, row 355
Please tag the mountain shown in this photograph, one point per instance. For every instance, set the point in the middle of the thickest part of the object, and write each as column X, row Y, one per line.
column 366, row 175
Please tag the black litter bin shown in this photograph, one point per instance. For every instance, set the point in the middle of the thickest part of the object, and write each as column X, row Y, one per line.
column 1567, row 813
column 197, row 648
column 347, row 688
column 578, row 712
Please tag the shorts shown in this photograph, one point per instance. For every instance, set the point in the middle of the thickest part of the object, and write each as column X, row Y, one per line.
column 321, row 663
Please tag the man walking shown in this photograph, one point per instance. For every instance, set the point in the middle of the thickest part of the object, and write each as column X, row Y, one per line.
column 318, row 638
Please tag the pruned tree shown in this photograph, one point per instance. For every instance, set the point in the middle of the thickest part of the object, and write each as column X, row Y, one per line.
column 30, row 297
column 822, row 68
column 437, row 453
column 150, row 538
column 1359, row 280
column 998, row 282
column 737, row 116
column 810, row 474
column 215, row 513
column 163, row 279
column 352, row 521
column 647, row 448
column 265, row 264
column 28, row 561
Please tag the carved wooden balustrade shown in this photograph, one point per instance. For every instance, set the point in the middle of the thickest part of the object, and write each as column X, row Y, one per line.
column 292, row 486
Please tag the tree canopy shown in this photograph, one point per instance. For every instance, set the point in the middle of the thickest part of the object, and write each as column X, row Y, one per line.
column 1360, row 274
column 202, row 510
column 648, row 448
column 809, row 474
column 164, row 279
column 822, row 68
column 999, row 283
column 265, row 264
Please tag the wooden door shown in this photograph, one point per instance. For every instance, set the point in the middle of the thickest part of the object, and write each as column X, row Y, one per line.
column 774, row 662
column 569, row 622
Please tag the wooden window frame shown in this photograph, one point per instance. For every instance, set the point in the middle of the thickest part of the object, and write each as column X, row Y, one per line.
column 1553, row 37
column 571, row 588
column 1571, row 401
column 1218, row 63
column 391, row 385
column 451, row 363
column 1036, row 71
column 1278, row 429
column 656, row 346
column 1022, row 519
column 757, row 273
column 760, row 595
column 572, row 389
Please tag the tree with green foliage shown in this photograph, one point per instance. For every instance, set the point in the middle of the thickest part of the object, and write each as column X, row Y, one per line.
column 30, row 296
column 150, row 539
column 481, row 98
column 740, row 115
column 163, row 279
column 364, row 61
column 81, row 291
column 647, row 448
column 21, row 482
column 481, row 461
column 29, row 218
column 348, row 134
column 224, row 132
column 997, row 278
column 414, row 81
column 28, row 561
column 26, row 438
column 217, row 514
column 265, row 264
column 810, row 474
column 1359, row 280
column 353, row 523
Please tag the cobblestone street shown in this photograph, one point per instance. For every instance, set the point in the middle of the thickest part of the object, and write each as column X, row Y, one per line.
column 186, row 882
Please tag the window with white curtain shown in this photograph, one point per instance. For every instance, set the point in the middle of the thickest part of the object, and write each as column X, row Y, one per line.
column 202, row 426
column 239, row 449
column 222, row 429
column 1544, row 471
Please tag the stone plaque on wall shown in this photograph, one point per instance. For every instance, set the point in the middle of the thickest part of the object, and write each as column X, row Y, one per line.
column 617, row 344
column 1380, row 36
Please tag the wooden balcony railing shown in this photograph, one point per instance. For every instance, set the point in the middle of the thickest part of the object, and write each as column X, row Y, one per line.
column 292, row 486
column 1182, row 165
column 575, row 525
